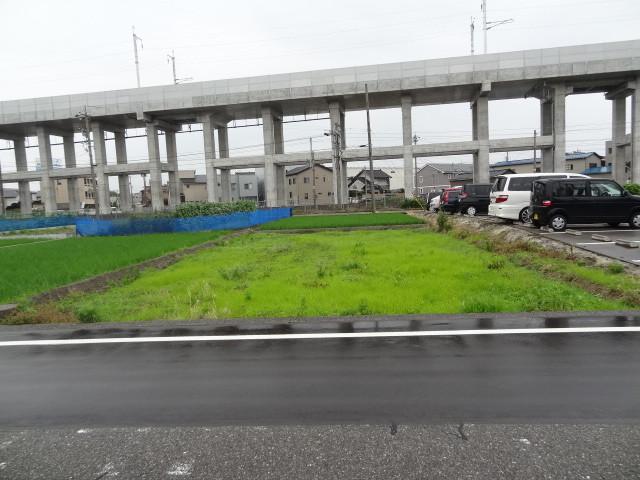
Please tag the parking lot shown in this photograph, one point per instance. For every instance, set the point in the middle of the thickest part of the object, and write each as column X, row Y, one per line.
column 605, row 242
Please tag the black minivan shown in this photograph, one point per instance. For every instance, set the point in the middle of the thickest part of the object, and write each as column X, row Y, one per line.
column 558, row 202
column 474, row 198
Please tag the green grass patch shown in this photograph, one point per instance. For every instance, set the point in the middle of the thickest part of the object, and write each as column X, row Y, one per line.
column 38, row 266
column 340, row 221
column 336, row 273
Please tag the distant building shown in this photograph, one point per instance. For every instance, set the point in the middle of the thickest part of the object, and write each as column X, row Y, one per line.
column 578, row 162
column 11, row 197
column 465, row 178
column 87, row 193
column 435, row 176
column 299, row 185
column 396, row 176
column 360, row 183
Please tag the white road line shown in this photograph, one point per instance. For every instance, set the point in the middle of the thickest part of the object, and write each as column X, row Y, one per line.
column 305, row 336
column 596, row 243
column 22, row 244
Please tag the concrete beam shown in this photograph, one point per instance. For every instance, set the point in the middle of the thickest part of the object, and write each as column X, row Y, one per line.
column 124, row 192
column 480, row 120
column 635, row 136
column 73, row 185
column 47, row 186
column 172, row 160
column 623, row 90
column 24, row 189
column 103, row 202
column 155, row 171
column 406, row 103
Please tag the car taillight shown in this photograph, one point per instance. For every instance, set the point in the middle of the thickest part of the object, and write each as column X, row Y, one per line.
column 502, row 198
column 546, row 203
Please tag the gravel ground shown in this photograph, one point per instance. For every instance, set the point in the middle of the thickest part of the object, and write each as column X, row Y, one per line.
column 325, row 452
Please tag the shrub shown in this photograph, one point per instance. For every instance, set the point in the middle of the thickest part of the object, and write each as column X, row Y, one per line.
column 414, row 202
column 197, row 209
column 443, row 221
column 615, row 268
column 633, row 188
column 88, row 315
column 496, row 264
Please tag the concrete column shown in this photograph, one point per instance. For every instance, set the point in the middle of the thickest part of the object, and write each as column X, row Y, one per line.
column 23, row 185
column 225, row 184
column 635, row 135
column 225, row 174
column 618, row 120
column 155, row 169
column 280, row 185
column 124, row 193
column 47, row 185
column 559, row 135
column 172, row 160
column 339, row 185
column 73, row 184
column 103, row 203
column 480, row 121
column 273, row 144
column 546, row 128
column 407, row 142
column 208, row 129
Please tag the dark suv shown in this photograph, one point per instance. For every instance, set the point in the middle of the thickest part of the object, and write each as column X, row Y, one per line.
column 474, row 198
column 558, row 202
column 450, row 199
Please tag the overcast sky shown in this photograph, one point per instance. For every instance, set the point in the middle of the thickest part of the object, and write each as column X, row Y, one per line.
column 53, row 48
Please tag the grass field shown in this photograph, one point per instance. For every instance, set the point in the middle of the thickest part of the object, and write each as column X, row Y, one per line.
column 35, row 267
column 336, row 273
column 337, row 221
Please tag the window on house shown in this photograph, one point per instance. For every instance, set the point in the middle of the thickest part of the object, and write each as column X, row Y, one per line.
column 571, row 166
column 306, row 196
column 289, row 181
column 324, row 179
column 247, row 186
column 305, row 180
column 290, row 194
column 592, row 165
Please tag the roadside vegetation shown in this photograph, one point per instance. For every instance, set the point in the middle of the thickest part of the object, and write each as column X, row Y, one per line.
column 341, row 221
column 34, row 266
column 336, row 273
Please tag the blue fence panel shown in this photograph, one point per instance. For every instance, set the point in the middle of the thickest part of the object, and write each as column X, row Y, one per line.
column 7, row 225
column 86, row 226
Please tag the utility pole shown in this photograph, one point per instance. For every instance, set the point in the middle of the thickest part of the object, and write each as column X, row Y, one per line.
column 143, row 200
column 86, row 132
column 136, row 39
column 172, row 58
column 486, row 26
column 472, row 28
column 366, row 101
column 313, row 173
column 415, row 166
column 535, row 160
column 2, row 210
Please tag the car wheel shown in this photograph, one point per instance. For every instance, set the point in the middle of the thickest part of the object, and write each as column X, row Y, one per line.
column 558, row 222
column 471, row 211
column 525, row 215
column 634, row 221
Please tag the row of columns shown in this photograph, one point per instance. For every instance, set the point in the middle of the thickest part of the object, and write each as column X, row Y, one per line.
column 623, row 150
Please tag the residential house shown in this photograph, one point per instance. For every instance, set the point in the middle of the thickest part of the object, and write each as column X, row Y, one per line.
column 299, row 185
column 396, row 176
column 466, row 178
column 435, row 176
column 87, row 192
column 11, row 197
column 586, row 163
column 360, row 183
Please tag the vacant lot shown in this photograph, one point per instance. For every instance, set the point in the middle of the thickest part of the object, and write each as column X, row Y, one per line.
column 337, row 221
column 36, row 266
column 336, row 273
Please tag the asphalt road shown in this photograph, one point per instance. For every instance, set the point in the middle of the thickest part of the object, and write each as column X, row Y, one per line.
column 456, row 406
column 608, row 248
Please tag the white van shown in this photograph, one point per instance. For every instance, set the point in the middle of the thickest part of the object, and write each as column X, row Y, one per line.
column 510, row 195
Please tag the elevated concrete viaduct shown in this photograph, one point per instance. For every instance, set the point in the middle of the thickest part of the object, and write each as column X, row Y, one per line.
column 546, row 74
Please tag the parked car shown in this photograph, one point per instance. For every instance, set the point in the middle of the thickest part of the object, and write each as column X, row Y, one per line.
column 474, row 198
column 434, row 203
column 429, row 197
column 450, row 199
column 558, row 202
column 510, row 195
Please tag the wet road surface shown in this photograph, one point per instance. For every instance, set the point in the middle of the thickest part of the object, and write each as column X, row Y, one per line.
column 524, row 378
column 500, row 406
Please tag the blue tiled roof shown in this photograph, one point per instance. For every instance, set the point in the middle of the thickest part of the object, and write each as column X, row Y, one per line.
column 595, row 170
column 529, row 161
